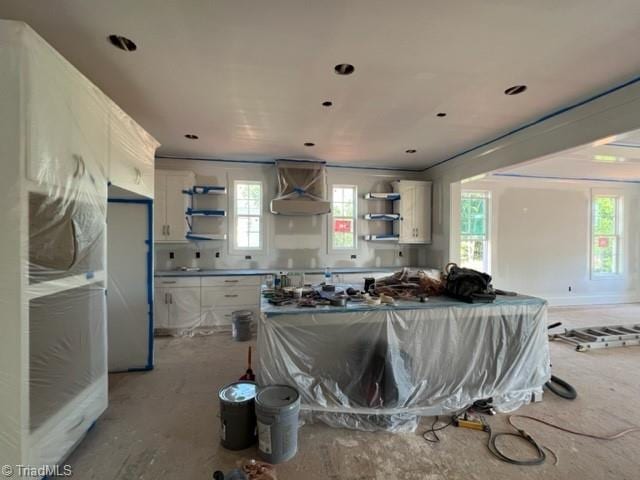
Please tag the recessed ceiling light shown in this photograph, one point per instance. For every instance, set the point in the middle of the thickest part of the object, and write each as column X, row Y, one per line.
column 191, row 136
column 123, row 43
column 441, row 114
column 344, row 69
column 327, row 103
column 515, row 90
column 411, row 150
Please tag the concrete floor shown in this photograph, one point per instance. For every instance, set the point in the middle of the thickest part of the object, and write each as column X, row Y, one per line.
column 163, row 424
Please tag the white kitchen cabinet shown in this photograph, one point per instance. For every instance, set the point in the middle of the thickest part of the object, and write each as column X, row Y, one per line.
column 188, row 303
column 160, row 308
column 53, row 202
column 414, row 208
column 68, row 126
column 177, row 303
column 170, row 224
column 131, row 155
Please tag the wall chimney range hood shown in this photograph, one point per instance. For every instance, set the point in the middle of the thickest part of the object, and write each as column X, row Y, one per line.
column 302, row 188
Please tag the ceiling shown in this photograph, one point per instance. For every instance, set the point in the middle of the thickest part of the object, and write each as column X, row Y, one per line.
column 249, row 77
column 617, row 160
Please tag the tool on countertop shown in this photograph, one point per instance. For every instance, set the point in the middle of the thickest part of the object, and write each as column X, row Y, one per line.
column 249, row 375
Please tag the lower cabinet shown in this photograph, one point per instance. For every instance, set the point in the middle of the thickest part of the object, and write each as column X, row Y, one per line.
column 189, row 303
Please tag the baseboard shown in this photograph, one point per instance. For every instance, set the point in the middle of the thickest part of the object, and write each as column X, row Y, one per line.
column 579, row 300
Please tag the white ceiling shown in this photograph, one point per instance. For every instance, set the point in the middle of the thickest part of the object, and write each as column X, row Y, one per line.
column 617, row 160
column 249, row 76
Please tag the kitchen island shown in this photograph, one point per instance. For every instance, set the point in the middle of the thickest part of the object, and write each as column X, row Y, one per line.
column 381, row 367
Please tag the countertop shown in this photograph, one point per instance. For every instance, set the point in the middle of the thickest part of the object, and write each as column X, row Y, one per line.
column 433, row 302
column 272, row 271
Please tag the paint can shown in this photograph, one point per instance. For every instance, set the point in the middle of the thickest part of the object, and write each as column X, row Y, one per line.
column 277, row 409
column 237, row 415
column 241, row 325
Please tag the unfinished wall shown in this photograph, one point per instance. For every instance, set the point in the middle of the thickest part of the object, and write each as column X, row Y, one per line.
column 290, row 242
column 540, row 240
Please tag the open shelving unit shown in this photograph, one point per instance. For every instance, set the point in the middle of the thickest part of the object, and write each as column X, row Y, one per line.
column 193, row 212
column 382, row 217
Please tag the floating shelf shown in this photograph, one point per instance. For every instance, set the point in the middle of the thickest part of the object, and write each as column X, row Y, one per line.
column 387, row 217
column 382, row 196
column 206, row 190
column 382, row 238
column 205, row 236
column 195, row 212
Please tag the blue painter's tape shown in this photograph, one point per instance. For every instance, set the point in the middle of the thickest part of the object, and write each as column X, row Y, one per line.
column 149, row 242
column 539, row 120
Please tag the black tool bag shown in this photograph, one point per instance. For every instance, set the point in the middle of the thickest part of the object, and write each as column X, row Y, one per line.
column 469, row 285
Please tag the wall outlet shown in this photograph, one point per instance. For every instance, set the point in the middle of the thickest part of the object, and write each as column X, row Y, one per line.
column 399, row 253
column 247, row 257
column 353, row 257
column 197, row 254
column 172, row 255
column 217, row 254
column 569, row 287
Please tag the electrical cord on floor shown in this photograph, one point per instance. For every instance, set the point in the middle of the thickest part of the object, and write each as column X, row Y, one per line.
column 539, row 459
column 615, row 436
column 432, row 431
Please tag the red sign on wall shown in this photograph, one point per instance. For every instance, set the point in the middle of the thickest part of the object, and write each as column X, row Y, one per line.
column 603, row 242
column 342, row 226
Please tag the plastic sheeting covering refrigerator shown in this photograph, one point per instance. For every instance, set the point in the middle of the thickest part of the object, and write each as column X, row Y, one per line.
column 54, row 144
column 382, row 369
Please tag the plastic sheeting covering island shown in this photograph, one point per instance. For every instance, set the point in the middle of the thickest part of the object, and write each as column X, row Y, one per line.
column 55, row 143
column 382, row 368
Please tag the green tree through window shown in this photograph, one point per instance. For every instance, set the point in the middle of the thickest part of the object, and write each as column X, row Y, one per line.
column 605, row 234
column 474, row 248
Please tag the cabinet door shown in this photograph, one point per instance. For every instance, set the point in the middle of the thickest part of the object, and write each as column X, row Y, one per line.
column 161, row 308
column 49, row 120
column 184, row 307
column 90, row 135
column 131, row 152
column 177, row 204
column 160, row 208
column 407, row 214
column 422, row 218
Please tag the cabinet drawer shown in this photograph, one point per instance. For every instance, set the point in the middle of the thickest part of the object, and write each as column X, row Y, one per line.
column 173, row 282
column 221, row 317
column 241, row 280
column 231, row 296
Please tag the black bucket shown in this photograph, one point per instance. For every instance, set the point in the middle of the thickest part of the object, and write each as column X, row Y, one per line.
column 237, row 415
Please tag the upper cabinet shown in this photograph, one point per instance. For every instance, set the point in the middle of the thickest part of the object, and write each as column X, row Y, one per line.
column 131, row 155
column 68, row 126
column 77, row 137
column 170, row 223
column 414, row 207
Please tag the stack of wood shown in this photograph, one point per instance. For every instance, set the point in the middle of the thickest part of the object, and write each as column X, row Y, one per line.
column 410, row 284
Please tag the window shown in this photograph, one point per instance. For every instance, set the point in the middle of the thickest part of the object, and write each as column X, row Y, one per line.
column 474, row 230
column 248, row 215
column 343, row 217
column 605, row 235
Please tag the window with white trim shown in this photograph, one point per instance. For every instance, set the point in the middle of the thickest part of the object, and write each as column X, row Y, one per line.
column 247, row 215
column 474, row 230
column 343, row 217
column 606, row 234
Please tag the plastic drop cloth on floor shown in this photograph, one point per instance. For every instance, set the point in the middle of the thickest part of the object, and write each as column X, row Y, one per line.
column 381, row 368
